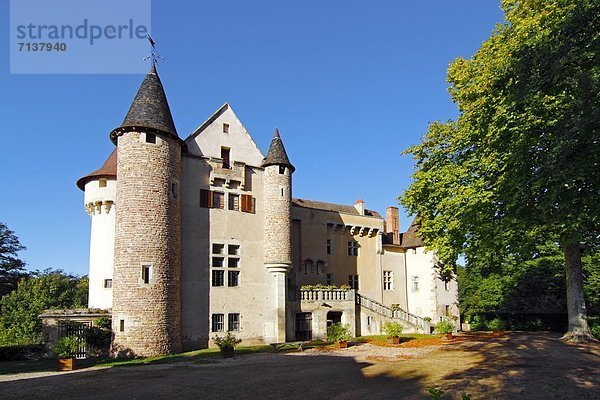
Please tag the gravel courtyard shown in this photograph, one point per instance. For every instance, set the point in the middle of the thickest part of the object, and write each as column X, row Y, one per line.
column 514, row 366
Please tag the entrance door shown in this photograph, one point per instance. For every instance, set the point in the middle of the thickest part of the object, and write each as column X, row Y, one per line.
column 304, row 326
column 334, row 317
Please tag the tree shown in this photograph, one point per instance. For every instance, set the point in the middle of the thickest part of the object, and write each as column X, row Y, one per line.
column 519, row 166
column 11, row 267
column 19, row 322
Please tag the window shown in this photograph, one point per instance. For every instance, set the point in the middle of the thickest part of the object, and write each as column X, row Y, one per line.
column 218, row 278
column 205, row 198
column 150, row 138
column 353, row 248
column 122, row 325
column 233, row 249
column 329, row 246
column 388, row 280
column 308, row 266
column 369, row 320
column 281, row 169
column 233, row 322
column 174, row 189
column 447, row 312
column 218, row 322
column 234, row 202
column 102, row 183
column 218, row 262
column 233, row 262
column 447, row 285
column 107, row 283
column 225, row 128
column 353, row 281
column 233, row 278
column 218, row 248
column 225, row 153
column 320, row 266
column 415, row 283
column 218, row 200
column 146, row 273
column 247, row 203
column 329, row 279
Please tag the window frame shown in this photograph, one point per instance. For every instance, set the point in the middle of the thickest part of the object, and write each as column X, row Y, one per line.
column 217, row 322
column 233, row 322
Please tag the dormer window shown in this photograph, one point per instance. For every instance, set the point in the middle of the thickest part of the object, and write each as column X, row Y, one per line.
column 225, row 128
column 102, row 183
column 282, row 169
column 225, row 156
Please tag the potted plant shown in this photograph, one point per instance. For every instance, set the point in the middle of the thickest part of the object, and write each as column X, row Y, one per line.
column 497, row 326
column 445, row 328
column 393, row 330
column 227, row 344
column 339, row 334
column 65, row 350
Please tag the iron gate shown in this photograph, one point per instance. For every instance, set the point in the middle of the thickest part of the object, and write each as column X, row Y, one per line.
column 77, row 330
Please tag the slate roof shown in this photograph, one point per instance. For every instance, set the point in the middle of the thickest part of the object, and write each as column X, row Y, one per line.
column 341, row 208
column 277, row 154
column 149, row 109
column 107, row 170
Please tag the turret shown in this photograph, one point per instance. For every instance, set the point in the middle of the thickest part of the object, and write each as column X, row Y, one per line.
column 100, row 188
column 277, row 193
column 146, row 312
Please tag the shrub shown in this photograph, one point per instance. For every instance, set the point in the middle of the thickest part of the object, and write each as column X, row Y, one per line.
column 496, row 325
column 228, row 340
column 393, row 329
column 345, row 287
column 427, row 319
column 338, row 332
column 67, row 346
column 21, row 352
column 444, row 327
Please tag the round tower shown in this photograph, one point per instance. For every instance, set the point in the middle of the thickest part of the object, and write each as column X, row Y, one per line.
column 277, row 194
column 146, row 313
column 100, row 188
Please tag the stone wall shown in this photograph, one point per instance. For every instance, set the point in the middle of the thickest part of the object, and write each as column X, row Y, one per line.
column 277, row 202
column 146, row 317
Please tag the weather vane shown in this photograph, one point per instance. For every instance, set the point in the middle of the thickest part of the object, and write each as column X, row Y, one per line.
column 154, row 55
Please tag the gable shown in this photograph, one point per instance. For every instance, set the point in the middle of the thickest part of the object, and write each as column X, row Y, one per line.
column 208, row 139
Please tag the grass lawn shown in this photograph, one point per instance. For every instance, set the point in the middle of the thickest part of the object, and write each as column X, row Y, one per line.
column 196, row 356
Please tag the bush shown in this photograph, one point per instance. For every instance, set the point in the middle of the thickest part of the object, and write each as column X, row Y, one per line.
column 228, row 340
column 496, row 325
column 67, row 346
column 444, row 327
column 338, row 332
column 21, row 352
column 393, row 329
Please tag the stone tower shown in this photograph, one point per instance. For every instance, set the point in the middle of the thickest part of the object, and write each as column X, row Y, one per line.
column 100, row 189
column 277, row 187
column 146, row 313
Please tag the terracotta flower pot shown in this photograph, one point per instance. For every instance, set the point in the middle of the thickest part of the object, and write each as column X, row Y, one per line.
column 393, row 340
column 342, row 344
column 448, row 336
column 227, row 351
column 65, row 364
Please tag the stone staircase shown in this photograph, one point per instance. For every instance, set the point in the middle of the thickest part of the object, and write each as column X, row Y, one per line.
column 393, row 314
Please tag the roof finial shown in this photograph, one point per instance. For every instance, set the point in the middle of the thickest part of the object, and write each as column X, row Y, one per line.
column 277, row 133
column 154, row 55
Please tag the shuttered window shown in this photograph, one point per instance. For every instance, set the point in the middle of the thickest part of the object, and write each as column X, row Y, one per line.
column 248, row 203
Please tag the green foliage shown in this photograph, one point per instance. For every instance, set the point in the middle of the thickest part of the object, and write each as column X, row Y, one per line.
column 435, row 393
column 496, row 325
column 228, row 340
column 519, row 166
column 12, row 269
column 66, row 346
column 19, row 322
column 393, row 329
column 444, row 327
column 338, row 332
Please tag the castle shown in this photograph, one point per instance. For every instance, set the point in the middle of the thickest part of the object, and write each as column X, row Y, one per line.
column 193, row 238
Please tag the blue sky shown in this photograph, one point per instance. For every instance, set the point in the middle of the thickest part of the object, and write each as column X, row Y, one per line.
column 349, row 84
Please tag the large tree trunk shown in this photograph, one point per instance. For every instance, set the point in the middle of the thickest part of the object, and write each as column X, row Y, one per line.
column 578, row 327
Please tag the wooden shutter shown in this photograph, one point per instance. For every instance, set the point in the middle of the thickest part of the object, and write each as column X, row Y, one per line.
column 247, row 203
column 206, row 198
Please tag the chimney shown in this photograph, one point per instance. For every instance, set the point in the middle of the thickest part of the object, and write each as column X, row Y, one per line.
column 392, row 226
column 360, row 206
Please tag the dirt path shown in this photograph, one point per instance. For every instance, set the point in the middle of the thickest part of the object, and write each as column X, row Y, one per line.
column 515, row 366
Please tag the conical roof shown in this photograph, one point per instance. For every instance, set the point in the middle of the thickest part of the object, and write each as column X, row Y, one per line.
column 149, row 109
column 277, row 154
column 107, row 170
